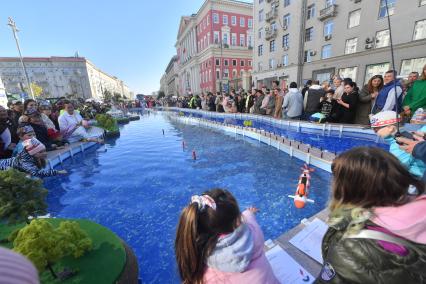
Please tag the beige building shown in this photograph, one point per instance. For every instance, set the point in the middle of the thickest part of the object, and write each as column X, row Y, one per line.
column 297, row 40
column 75, row 77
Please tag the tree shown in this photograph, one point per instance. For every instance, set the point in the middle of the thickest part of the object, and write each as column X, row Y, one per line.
column 161, row 94
column 37, row 90
column 20, row 197
column 117, row 97
column 45, row 245
column 107, row 96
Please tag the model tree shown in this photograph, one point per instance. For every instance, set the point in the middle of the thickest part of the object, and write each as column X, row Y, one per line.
column 45, row 245
column 20, row 197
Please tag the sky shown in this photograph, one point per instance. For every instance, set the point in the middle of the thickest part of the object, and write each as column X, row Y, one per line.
column 131, row 39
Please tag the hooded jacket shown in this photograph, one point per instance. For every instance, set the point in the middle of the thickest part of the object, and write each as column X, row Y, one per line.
column 24, row 162
column 356, row 260
column 239, row 257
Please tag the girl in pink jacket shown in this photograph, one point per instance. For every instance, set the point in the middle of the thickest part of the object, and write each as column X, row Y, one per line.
column 215, row 243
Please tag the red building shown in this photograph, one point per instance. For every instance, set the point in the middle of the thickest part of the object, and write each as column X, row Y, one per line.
column 224, row 41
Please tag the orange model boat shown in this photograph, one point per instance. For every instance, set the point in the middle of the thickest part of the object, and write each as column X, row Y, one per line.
column 301, row 195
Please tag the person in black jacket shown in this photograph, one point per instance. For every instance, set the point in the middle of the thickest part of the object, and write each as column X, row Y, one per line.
column 348, row 103
column 377, row 230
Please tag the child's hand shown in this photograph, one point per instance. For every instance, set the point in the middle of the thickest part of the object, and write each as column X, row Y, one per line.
column 253, row 209
column 386, row 131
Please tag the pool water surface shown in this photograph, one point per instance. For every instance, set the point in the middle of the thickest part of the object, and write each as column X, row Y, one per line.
column 136, row 185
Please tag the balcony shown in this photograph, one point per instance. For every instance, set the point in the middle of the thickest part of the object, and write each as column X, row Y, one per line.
column 271, row 15
column 270, row 34
column 330, row 11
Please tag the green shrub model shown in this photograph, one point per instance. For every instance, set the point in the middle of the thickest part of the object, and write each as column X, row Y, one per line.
column 45, row 245
column 20, row 197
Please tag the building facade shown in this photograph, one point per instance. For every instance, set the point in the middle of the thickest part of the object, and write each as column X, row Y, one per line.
column 73, row 77
column 311, row 39
column 220, row 38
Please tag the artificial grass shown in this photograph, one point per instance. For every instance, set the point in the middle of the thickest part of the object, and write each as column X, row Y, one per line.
column 103, row 264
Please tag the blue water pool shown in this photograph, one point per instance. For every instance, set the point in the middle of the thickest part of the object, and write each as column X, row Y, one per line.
column 314, row 137
column 138, row 185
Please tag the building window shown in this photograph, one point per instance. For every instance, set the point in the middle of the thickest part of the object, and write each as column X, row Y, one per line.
column 326, row 51
column 242, row 40
column 307, row 56
column 259, row 66
column 329, row 3
column 234, row 73
column 382, row 8
column 286, row 3
column 225, row 38
column 242, row 22
column 271, row 63
column 225, row 73
column 272, row 46
column 260, row 33
column 241, row 73
column 311, row 12
column 286, row 20
column 217, row 62
column 234, row 62
column 225, row 20
column 328, row 28
column 217, row 74
column 250, row 23
column 351, row 45
column 420, row 30
column 411, row 65
column 249, row 41
column 285, row 60
column 309, row 34
column 234, row 20
column 215, row 18
column 375, row 69
column 234, row 39
column 242, row 63
column 261, row 15
column 382, row 39
column 273, row 26
column 349, row 72
column 210, row 75
column 260, row 50
column 225, row 62
column 286, row 41
column 216, row 37
column 354, row 18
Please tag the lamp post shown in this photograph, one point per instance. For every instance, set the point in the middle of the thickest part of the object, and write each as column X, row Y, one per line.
column 12, row 25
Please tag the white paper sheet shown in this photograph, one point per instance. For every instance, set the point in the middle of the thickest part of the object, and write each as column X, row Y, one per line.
column 310, row 238
column 286, row 269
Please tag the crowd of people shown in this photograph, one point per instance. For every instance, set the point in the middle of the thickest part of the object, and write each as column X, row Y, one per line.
column 338, row 101
column 30, row 129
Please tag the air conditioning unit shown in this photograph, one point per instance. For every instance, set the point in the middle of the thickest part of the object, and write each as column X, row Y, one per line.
column 285, row 27
column 267, row 29
column 369, row 40
column 286, row 48
column 312, row 53
column 327, row 37
column 279, row 65
column 357, row 1
column 369, row 46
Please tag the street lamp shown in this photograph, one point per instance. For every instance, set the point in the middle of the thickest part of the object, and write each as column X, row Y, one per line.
column 12, row 24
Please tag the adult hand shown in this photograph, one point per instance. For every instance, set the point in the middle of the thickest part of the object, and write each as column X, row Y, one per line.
column 253, row 209
column 408, row 144
column 374, row 95
column 11, row 146
column 419, row 136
